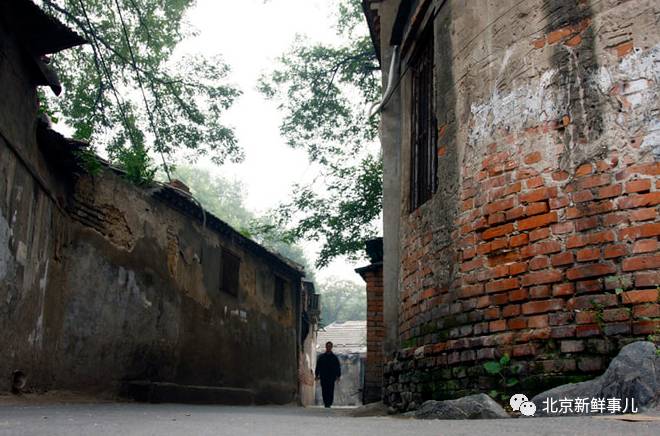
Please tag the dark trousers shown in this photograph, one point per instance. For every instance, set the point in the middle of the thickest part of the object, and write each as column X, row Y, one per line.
column 328, row 390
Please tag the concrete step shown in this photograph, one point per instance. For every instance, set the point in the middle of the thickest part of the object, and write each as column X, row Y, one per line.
column 161, row 392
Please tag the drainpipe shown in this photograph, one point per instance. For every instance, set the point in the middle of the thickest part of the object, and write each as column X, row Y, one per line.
column 394, row 63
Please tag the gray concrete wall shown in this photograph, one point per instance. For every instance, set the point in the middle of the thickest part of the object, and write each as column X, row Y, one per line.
column 390, row 138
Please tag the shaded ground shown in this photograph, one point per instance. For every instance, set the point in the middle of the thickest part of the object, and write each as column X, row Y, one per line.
column 30, row 418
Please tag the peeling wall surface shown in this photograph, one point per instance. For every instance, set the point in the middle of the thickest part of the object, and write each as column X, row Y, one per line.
column 102, row 282
column 306, row 368
column 541, row 241
column 149, row 279
column 308, row 336
column 29, row 220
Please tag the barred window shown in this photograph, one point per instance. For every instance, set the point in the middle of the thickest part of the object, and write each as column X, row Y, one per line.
column 280, row 286
column 230, row 272
column 424, row 159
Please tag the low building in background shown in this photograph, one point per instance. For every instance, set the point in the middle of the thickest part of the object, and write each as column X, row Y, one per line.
column 350, row 345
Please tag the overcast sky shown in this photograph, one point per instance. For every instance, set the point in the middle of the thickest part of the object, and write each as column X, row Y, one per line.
column 250, row 35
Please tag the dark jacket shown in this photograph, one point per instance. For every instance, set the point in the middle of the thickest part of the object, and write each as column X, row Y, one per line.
column 327, row 366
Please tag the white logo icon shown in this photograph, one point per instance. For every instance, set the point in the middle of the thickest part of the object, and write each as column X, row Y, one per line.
column 528, row 408
column 517, row 400
column 520, row 402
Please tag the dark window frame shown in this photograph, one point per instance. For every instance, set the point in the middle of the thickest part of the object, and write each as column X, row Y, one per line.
column 279, row 292
column 231, row 270
column 423, row 140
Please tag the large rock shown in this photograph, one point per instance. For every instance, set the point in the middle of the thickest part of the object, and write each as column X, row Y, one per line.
column 634, row 373
column 479, row 406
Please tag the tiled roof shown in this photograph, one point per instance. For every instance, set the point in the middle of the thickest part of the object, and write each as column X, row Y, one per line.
column 347, row 337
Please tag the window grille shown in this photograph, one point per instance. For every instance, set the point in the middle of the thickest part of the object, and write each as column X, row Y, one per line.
column 230, row 272
column 424, row 159
column 280, row 285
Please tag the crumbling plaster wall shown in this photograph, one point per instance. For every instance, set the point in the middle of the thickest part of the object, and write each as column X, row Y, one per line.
column 306, row 366
column 136, row 295
column 146, row 279
column 390, row 139
column 30, row 221
column 101, row 281
column 548, row 196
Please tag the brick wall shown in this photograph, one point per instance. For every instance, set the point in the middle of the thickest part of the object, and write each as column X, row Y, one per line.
column 373, row 376
column 542, row 240
column 559, row 271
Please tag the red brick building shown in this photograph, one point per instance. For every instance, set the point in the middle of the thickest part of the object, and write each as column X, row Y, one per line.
column 373, row 276
column 521, row 148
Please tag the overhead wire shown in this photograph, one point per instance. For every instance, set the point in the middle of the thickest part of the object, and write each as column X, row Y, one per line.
column 159, row 147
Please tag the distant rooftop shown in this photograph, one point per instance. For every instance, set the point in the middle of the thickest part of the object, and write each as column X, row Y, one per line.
column 347, row 337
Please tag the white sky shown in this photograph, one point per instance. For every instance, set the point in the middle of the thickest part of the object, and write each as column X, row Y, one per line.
column 250, row 35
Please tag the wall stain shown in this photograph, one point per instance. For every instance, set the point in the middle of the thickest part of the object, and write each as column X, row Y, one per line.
column 570, row 32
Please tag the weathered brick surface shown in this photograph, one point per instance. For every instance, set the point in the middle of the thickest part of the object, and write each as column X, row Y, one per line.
column 553, row 209
column 373, row 375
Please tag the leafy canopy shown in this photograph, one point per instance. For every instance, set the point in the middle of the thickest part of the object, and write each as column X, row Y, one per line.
column 124, row 91
column 219, row 195
column 225, row 199
column 342, row 300
column 323, row 92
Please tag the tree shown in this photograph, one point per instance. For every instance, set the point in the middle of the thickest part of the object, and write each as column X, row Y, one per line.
column 342, row 300
column 222, row 197
column 225, row 199
column 324, row 91
column 122, row 90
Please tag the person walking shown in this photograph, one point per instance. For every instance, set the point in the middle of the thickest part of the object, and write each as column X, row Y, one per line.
column 328, row 371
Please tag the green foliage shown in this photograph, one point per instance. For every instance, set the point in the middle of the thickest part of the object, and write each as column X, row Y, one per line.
column 620, row 284
column 225, row 199
column 493, row 367
column 655, row 336
column 136, row 163
column 123, row 91
column 342, row 217
column 507, row 376
column 599, row 309
column 270, row 235
column 44, row 108
column 89, row 161
column 409, row 343
column 222, row 197
column 342, row 300
column 323, row 92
